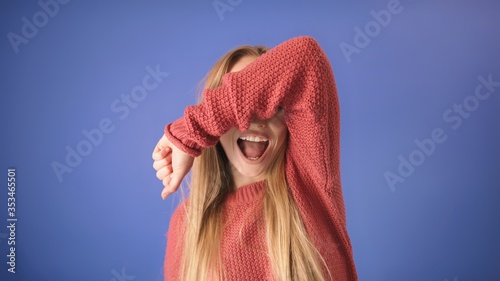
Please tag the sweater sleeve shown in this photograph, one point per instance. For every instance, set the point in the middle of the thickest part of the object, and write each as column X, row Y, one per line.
column 295, row 75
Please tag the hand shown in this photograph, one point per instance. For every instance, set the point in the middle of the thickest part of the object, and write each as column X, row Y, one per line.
column 171, row 165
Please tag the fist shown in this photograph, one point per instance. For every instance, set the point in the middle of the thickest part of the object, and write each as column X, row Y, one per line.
column 171, row 165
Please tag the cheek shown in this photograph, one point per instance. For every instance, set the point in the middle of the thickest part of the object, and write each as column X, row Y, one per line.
column 226, row 140
column 278, row 125
column 279, row 128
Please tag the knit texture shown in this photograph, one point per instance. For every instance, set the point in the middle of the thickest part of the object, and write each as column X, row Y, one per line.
column 297, row 76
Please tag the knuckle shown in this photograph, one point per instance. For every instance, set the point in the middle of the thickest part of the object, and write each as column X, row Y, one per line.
column 160, row 175
column 156, row 165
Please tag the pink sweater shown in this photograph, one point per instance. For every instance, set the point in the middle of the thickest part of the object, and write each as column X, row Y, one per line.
column 297, row 76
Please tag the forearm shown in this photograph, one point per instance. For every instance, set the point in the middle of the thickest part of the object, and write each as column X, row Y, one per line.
column 281, row 77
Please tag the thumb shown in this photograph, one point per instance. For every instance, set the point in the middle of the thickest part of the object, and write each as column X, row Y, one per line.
column 173, row 184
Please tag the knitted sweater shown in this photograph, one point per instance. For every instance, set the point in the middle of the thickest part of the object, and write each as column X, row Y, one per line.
column 297, row 76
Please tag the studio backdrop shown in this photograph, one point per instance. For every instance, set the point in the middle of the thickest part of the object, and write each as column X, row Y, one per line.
column 88, row 86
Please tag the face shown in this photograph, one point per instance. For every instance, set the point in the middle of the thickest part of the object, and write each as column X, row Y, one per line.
column 251, row 153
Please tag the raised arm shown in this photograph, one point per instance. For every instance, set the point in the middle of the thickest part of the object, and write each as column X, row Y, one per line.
column 295, row 75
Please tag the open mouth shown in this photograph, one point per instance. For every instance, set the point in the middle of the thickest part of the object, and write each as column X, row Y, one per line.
column 253, row 147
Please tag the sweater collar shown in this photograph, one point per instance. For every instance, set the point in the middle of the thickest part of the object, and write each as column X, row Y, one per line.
column 245, row 194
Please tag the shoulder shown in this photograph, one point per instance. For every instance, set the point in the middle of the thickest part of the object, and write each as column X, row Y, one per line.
column 300, row 44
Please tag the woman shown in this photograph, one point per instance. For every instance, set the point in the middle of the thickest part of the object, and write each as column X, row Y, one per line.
column 265, row 198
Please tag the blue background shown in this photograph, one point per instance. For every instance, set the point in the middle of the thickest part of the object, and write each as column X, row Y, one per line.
column 106, row 217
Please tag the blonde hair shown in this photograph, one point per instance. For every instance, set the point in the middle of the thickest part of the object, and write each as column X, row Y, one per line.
column 291, row 253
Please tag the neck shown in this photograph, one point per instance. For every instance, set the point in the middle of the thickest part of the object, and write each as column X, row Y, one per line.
column 242, row 180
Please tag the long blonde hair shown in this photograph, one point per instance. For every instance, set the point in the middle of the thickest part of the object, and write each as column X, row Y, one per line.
column 291, row 253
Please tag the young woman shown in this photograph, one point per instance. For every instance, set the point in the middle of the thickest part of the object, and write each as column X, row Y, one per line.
column 265, row 198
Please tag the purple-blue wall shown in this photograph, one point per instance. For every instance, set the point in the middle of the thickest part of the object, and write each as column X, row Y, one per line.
column 87, row 87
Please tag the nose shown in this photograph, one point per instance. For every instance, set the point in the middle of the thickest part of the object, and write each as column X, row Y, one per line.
column 259, row 123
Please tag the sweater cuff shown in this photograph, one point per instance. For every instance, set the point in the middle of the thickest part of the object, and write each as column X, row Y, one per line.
column 176, row 132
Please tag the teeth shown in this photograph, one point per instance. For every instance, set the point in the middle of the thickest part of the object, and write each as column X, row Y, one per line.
column 254, row 139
